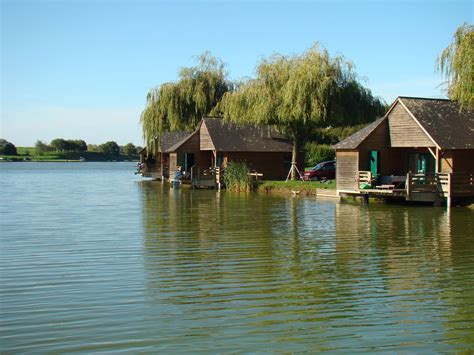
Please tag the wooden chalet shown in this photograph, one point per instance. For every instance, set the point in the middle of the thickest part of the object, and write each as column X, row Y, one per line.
column 421, row 150
column 156, row 160
column 204, row 154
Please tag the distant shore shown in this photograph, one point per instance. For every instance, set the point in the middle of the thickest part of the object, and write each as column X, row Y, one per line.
column 27, row 154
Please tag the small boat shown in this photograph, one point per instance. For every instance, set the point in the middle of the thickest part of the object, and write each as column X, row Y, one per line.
column 82, row 159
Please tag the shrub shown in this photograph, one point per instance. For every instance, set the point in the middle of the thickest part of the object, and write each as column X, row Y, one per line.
column 7, row 148
column 316, row 153
column 236, row 177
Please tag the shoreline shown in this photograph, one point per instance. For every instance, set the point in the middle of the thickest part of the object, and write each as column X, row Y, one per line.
column 68, row 161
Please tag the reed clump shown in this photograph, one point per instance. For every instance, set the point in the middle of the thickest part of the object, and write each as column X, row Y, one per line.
column 236, row 177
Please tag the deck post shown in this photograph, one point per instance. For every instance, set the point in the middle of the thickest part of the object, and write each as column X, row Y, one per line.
column 408, row 183
column 449, row 200
column 365, row 199
column 218, row 178
column 437, row 161
column 161, row 167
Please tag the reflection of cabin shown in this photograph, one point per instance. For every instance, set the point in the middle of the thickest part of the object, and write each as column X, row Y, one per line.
column 204, row 154
column 421, row 150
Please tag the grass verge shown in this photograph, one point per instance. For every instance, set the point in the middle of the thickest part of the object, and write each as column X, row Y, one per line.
column 304, row 187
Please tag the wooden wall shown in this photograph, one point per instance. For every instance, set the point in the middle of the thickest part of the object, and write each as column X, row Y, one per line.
column 271, row 165
column 404, row 131
column 173, row 163
column 347, row 169
column 447, row 161
column 206, row 142
column 378, row 140
column 202, row 159
column 463, row 160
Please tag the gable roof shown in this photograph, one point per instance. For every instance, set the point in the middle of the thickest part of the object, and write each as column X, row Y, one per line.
column 181, row 141
column 439, row 118
column 442, row 120
column 228, row 137
column 355, row 139
column 169, row 139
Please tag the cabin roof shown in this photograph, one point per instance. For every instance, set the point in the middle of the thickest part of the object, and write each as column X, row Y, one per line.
column 354, row 140
column 228, row 137
column 439, row 118
column 169, row 139
column 442, row 120
column 181, row 141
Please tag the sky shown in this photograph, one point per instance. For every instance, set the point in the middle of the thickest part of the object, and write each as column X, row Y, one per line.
column 81, row 69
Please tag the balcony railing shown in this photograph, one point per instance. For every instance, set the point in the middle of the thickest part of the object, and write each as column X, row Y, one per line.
column 445, row 184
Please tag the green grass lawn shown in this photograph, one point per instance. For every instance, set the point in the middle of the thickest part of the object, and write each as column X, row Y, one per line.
column 303, row 186
column 29, row 154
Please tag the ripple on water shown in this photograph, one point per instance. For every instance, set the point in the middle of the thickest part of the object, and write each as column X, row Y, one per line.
column 93, row 259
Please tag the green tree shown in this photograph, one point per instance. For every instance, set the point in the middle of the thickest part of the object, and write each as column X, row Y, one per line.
column 59, row 144
column 456, row 63
column 93, row 148
column 7, row 148
column 181, row 105
column 77, row 145
column 41, row 147
column 110, row 148
column 129, row 149
column 296, row 93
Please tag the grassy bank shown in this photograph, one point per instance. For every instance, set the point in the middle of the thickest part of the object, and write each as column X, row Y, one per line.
column 303, row 187
column 29, row 154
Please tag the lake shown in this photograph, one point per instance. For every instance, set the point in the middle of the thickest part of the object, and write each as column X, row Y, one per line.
column 96, row 259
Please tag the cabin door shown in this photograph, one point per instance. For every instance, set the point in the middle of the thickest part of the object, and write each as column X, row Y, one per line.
column 421, row 163
column 374, row 162
column 188, row 161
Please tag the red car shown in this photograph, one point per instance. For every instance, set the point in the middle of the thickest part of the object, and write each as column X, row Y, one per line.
column 325, row 170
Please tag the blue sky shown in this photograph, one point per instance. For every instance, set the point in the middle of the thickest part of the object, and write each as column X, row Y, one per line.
column 82, row 68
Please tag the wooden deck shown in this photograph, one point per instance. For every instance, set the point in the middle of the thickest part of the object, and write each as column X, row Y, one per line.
column 436, row 188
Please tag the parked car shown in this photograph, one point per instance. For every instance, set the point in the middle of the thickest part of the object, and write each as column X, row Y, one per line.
column 325, row 170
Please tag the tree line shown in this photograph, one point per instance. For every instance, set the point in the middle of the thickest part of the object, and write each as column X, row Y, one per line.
column 78, row 145
column 63, row 146
column 303, row 96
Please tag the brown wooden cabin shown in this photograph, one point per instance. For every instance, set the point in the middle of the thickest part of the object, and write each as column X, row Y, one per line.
column 203, row 154
column 421, row 150
column 156, row 159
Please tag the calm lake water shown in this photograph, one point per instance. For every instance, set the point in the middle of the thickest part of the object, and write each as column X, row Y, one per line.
column 95, row 259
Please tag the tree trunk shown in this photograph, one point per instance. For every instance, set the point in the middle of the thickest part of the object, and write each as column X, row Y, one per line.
column 294, row 157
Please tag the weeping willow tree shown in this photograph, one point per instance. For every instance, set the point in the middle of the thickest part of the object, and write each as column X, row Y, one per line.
column 180, row 105
column 456, row 62
column 296, row 93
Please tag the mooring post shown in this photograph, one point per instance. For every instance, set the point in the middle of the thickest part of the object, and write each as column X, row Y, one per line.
column 365, row 199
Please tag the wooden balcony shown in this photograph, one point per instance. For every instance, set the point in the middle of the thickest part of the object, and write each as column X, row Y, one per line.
column 418, row 187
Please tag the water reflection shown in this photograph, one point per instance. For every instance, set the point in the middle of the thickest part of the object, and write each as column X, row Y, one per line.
column 300, row 274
